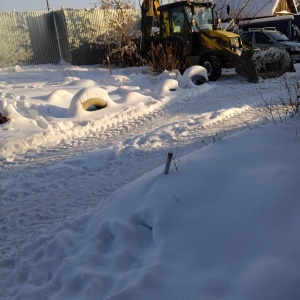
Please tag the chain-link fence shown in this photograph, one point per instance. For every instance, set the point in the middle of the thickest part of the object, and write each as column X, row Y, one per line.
column 49, row 37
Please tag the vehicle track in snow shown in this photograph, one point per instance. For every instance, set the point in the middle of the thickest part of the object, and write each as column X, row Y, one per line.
column 132, row 150
column 176, row 112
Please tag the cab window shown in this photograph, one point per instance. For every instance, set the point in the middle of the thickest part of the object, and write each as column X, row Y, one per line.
column 261, row 38
column 247, row 38
column 203, row 17
column 174, row 22
column 165, row 25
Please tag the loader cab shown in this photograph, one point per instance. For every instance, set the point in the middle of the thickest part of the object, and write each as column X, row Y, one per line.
column 184, row 22
column 179, row 19
column 174, row 23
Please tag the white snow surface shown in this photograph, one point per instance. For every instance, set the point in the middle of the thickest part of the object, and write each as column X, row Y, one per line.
column 87, row 211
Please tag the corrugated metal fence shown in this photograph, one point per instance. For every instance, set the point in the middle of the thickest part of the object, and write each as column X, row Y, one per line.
column 49, row 37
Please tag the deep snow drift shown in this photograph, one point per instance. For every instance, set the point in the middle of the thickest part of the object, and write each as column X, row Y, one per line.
column 222, row 224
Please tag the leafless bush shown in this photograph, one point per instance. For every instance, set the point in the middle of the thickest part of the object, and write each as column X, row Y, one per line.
column 292, row 86
column 288, row 100
column 169, row 56
column 120, row 41
column 128, row 56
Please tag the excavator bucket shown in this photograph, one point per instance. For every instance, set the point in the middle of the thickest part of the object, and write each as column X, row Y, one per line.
column 257, row 63
column 245, row 66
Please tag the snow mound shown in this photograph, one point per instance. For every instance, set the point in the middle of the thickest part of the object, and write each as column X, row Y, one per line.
column 240, row 247
column 60, row 98
column 125, row 89
column 11, row 111
column 17, row 68
column 83, row 83
column 168, row 75
column 118, row 78
column 135, row 97
column 166, row 87
column 118, row 246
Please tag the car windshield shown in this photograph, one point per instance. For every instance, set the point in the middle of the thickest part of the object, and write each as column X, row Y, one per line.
column 278, row 36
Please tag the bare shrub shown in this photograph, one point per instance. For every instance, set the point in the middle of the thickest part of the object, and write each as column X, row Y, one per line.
column 121, row 40
column 169, row 56
column 287, row 103
column 292, row 102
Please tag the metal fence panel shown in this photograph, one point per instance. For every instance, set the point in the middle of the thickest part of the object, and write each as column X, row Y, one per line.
column 62, row 35
column 43, row 39
column 15, row 42
column 82, row 28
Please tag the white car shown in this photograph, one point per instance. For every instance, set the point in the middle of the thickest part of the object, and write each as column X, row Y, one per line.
column 269, row 37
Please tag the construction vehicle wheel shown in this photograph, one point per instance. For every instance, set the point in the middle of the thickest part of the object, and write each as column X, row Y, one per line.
column 213, row 66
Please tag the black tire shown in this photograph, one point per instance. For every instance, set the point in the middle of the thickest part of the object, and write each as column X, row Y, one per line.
column 213, row 66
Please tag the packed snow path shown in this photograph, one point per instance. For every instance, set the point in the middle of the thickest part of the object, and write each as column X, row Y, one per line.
column 197, row 118
column 32, row 186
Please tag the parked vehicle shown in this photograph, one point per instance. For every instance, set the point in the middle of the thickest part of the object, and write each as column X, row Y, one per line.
column 270, row 37
column 193, row 26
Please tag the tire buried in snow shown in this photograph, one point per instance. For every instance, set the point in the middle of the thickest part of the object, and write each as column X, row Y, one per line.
column 193, row 76
column 97, row 102
column 86, row 98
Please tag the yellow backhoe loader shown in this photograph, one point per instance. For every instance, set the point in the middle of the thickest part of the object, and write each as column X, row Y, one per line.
column 194, row 25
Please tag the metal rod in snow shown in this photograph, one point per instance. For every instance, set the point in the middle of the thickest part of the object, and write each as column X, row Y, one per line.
column 168, row 163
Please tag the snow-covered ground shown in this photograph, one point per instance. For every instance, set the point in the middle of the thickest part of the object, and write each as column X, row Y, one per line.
column 87, row 211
